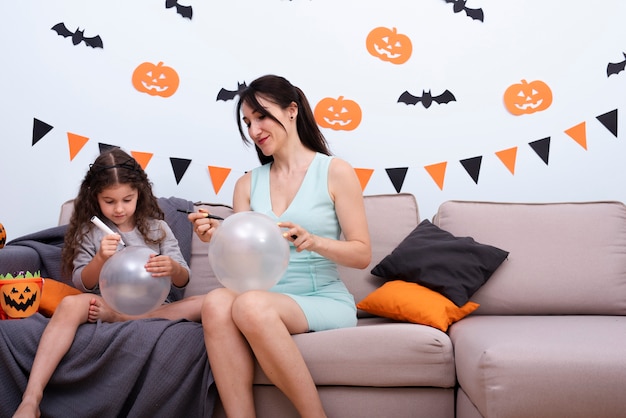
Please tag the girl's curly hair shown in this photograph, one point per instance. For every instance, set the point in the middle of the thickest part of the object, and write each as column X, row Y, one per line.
column 111, row 168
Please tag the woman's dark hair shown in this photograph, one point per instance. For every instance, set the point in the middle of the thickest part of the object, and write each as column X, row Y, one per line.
column 281, row 92
column 110, row 168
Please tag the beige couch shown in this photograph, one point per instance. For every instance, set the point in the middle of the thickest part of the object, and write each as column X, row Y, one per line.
column 548, row 339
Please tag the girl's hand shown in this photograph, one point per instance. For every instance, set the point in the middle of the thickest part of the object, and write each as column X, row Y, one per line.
column 108, row 245
column 203, row 227
column 161, row 265
column 301, row 238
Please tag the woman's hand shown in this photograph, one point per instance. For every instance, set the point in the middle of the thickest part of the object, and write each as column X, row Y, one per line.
column 301, row 238
column 203, row 227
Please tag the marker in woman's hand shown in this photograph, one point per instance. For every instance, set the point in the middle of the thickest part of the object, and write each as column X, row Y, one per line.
column 206, row 215
column 103, row 227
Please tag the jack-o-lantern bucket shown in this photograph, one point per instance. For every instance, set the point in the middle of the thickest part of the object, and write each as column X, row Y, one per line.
column 19, row 298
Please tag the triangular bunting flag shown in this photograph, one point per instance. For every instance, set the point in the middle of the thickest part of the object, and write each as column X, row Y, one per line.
column 76, row 143
column 179, row 165
column 364, row 175
column 142, row 158
column 397, row 175
column 40, row 129
column 609, row 120
column 579, row 134
column 542, row 148
column 218, row 177
column 508, row 158
column 106, row 147
column 437, row 172
column 472, row 166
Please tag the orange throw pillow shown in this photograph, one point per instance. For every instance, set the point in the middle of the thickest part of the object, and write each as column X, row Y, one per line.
column 406, row 301
column 52, row 293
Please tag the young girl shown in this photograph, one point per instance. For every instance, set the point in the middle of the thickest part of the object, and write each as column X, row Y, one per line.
column 117, row 190
column 314, row 197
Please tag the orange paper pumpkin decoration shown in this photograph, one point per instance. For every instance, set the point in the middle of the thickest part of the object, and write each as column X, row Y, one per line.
column 3, row 236
column 525, row 98
column 19, row 298
column 338, row 114
column 389, row 45
column 156, row 80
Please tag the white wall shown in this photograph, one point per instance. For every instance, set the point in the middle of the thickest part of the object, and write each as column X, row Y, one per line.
column 320, row 46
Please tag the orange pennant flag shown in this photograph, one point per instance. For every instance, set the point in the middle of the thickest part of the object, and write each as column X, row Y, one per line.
column 437, row 172
column 364, row 175
column 76, row 143
column 508, row 157
column 143, row 158
column 218, row 177
column 579, row 134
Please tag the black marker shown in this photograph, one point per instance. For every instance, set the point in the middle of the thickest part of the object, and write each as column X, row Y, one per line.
column 206, row 215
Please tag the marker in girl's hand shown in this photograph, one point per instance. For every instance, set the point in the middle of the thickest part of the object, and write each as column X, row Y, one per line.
column 206, row 215
column 97, row 222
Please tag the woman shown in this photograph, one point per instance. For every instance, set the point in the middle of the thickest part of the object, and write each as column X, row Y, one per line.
column 314, row 197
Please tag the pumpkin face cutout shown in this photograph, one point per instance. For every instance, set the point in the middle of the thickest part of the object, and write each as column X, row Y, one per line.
column 155, row 80
column 19, row 298
column 389, row 45
column 3, row 236
column 526, row 98
column 338, row 114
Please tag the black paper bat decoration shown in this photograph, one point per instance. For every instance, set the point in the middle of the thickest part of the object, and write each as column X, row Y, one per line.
column 616, row 67
column 230, row 94
column 459, row 6
column 184, row 11
column 426, row 99
column 78, row 36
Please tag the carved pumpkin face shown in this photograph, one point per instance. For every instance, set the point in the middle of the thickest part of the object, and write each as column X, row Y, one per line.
column 389, row 45
column 3, row 236
column 338, row 114
column 156, row 80
column 19, row 298
column 526, row 98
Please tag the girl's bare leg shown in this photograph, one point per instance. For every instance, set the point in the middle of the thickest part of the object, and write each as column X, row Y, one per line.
column 230, row 356
column 55, row 342
column 188, row 308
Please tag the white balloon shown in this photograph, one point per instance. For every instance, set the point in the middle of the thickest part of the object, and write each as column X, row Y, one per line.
column 126, row 285
column 248, row 252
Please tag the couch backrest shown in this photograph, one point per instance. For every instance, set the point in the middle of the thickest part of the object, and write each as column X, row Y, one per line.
column 390, row 217
column 564, row 258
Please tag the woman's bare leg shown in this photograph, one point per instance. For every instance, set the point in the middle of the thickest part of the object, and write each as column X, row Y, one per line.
column 55, row 342
column 268, row 321
column 230, row 356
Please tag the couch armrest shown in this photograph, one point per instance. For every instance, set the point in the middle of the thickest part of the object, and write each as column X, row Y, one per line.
column 14, row 258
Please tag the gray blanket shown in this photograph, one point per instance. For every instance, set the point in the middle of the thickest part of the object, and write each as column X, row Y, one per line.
column 141, row 368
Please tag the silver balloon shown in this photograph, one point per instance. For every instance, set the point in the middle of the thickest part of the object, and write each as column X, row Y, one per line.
column 248, row 252
column 126, row 285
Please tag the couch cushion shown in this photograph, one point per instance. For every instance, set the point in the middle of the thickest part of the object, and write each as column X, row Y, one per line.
column 411, row 302
column 377, row 353
column 390, row 218
column 548, row 366
column 565, row 258
column 456, row 267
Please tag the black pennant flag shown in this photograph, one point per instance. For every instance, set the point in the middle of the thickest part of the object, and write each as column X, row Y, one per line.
column 40, row 129
column 542, row 148
column 609, row 120
column 397, row 175
column 179, row 165
column 105, row 147
column 472, row 166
